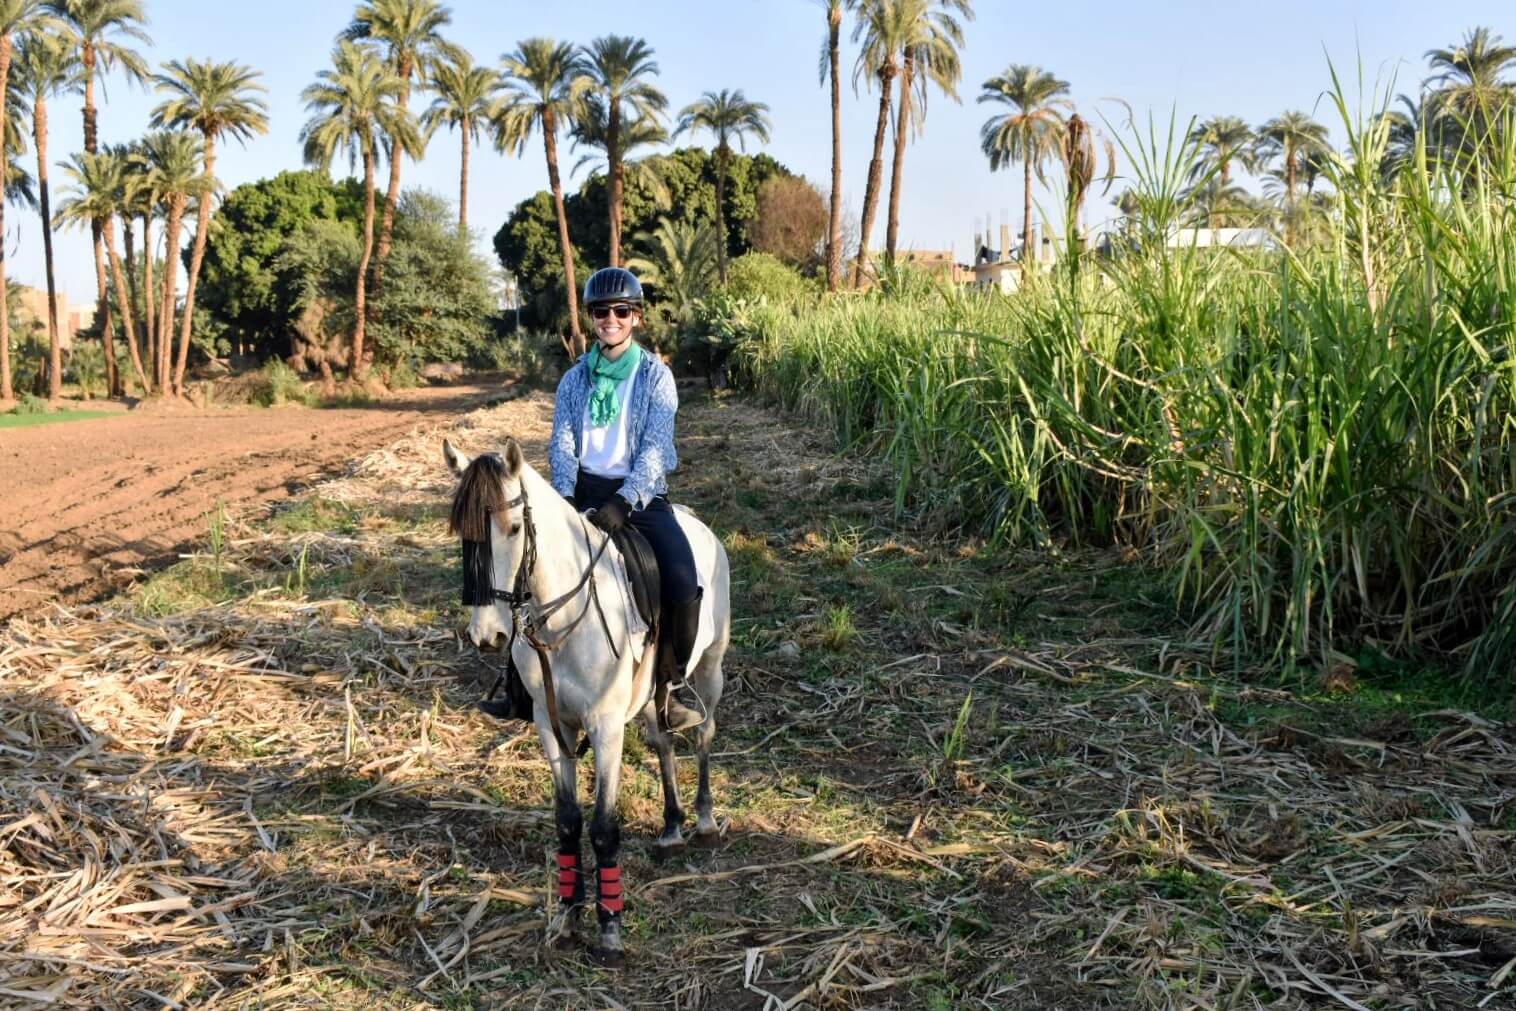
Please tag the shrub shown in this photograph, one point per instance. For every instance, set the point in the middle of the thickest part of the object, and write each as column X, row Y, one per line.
column 762, row 275
column 30, row 404
column 86, row 369
column 281, row 385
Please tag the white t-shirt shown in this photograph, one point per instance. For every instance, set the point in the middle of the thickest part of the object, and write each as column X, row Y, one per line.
column 607, row 450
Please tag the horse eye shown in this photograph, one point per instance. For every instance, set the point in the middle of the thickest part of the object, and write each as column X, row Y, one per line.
column 515, row 529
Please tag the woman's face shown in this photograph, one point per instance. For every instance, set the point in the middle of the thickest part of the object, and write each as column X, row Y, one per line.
column 611, row 327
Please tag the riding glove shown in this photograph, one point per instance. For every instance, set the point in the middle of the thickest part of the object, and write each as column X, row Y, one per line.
column 611, row 516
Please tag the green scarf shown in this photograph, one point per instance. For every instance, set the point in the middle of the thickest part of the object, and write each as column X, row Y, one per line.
column 606, row 376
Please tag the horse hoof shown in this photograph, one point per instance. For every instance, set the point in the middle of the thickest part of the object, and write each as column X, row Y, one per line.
column 608, row 958
column 708, row 840
column 665, row 852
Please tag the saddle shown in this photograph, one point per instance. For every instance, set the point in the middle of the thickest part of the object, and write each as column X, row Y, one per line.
column 642, row 572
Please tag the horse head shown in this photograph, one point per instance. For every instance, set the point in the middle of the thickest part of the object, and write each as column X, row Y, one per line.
column 488, row 513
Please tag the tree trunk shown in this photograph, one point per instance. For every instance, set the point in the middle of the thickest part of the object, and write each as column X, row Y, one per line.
column 1289, row 194
column 834, row 225
column 202, row 230
column 1027, row 253
column 7, row 49
column 392, row 197
column 897, row 171
column 54, row 351
column 124, row 296
column 721, row 158
column 129, row 237
column 356, row 369
column 150, row 299
column 170, row 280
column 575, row 344
column 102, row 295
column 876, row 168
column 103, row 313
column 463, row 184
column 613, row 169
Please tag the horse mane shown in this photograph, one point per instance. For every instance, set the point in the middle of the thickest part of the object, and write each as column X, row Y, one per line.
column 480, row 492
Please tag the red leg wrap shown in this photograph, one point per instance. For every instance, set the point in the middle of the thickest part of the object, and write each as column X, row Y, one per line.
column 568, row 876
column 609, row 889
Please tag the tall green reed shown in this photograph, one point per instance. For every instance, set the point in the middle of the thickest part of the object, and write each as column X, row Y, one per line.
column 1316, row 444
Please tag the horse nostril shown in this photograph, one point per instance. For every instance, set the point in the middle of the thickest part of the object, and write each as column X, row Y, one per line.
column 491, row 644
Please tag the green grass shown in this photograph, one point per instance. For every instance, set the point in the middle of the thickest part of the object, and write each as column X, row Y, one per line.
column 57, row 417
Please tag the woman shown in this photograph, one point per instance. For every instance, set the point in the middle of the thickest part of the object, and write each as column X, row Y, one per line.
column 611, row 451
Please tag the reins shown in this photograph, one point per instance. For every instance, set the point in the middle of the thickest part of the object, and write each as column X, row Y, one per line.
column 530, row 622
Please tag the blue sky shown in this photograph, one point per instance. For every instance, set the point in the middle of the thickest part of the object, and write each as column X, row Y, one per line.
column 1250, row 61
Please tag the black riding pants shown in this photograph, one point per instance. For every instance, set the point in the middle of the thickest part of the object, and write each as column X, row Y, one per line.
column 676, row 563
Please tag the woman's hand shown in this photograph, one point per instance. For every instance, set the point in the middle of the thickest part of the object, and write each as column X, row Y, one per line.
column 611, row 516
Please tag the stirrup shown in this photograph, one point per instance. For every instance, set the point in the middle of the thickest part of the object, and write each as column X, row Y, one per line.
column 675, row 715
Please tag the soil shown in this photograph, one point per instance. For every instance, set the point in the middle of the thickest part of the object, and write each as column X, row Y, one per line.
column 87, row 507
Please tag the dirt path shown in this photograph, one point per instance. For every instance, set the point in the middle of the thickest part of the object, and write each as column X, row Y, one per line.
column 86, row 507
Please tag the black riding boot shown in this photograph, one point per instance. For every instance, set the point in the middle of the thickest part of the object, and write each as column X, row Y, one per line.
column 681, row 624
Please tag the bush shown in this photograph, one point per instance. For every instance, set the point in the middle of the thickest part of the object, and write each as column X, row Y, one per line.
column 281, row 385
column 86, row 369
column 403, row 376
column 762, row 275
column 30, row 404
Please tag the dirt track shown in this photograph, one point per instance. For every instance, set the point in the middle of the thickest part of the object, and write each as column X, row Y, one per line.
column 86, row 506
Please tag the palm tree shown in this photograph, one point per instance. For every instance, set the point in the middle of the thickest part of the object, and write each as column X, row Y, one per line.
column 355, row 106
column 1289, row 137
column 98, row 195
column 1223, row 140
column 1469, row 78
column 546, row 87
column 102, row 32
column 140, row 198
column 831, row 56
column 176, row 157
column 592, row 130
column 1029, row 133
column 878, row 60
column 1404, row 131
column 618, row 67
column 47, row 68
column 728, row 116
column 217, row 99
column 466, row 99
column 17, row 18
column 679, row 260
column 409, row 31
column 929, row 41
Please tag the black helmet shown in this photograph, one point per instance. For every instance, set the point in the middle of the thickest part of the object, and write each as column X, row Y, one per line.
column 612, row 284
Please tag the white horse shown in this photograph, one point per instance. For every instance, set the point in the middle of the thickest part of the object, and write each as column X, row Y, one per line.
column 599, row 665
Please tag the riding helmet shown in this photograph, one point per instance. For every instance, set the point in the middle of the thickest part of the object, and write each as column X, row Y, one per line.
column 612, row 284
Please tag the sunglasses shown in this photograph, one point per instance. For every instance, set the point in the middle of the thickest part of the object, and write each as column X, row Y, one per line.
column 604, row 311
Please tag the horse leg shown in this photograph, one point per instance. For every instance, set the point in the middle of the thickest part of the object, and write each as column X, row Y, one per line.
column 605, row 836
column 707, row 832
column 671, row 841
column 570, row 824
column 711, row 683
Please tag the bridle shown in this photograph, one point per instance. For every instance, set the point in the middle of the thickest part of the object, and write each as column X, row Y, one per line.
column 530, row 622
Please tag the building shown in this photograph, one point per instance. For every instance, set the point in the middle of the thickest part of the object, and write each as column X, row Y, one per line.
column 1001, row 268
column 938, row 263
column 1236, row 238
column 71, row 318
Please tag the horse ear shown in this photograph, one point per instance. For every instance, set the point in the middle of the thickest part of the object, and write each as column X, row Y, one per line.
column 456, row 462
column 513, row 457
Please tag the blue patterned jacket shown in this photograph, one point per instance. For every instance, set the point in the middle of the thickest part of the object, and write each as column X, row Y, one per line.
column 650, row 430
